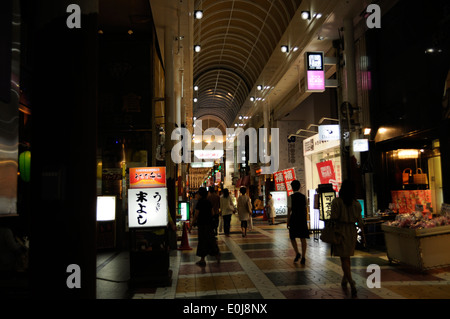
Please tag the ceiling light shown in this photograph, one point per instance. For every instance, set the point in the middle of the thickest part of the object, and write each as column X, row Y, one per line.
column 195, row 99
column 195, row 87
column 284, row 48
column 295, row 49
column 198, row 14
column 367, row 131
column 240, row 117
column 197, row 48
column 259, row 87
column 252, row 98
column 318, row 15
column 306, row 15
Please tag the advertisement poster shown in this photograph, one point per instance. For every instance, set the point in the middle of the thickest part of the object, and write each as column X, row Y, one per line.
column 147, row 177
column 280, row 202
column 326, row 174
column 147, row 207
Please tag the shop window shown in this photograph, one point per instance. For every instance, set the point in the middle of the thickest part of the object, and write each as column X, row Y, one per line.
column 414, row 179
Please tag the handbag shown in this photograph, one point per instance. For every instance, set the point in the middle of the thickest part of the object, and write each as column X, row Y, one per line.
column 406, row 176
column 330, row 233
column 419, row 177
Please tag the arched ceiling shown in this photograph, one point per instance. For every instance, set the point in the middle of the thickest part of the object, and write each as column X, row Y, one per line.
column 237, row 38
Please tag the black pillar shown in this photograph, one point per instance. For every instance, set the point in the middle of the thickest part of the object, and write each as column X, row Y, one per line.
column 64, row 140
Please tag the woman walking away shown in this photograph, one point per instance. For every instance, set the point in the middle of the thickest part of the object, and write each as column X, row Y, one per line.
column 203, row 218
column 244, row 206
column 226, row 209
column 346, row 211
column 296, row 220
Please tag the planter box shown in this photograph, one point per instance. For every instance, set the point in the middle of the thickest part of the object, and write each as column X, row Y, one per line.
column 419, row 248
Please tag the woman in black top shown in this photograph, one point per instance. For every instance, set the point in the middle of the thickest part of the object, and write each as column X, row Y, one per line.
column 203, row 218
column 296, row 220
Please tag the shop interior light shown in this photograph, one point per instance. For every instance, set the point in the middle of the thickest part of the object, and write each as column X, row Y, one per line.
column 306, row 15
column 259, row 87
column 318, row 15
column 367, row 131
column 195, row 100
column 198, row 14
column 195, row 87
column 407, row 153
column 284, row 48
column 197, row 48
column 252, row 98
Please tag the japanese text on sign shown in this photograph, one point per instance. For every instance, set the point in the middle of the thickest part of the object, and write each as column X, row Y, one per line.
column 147, row 207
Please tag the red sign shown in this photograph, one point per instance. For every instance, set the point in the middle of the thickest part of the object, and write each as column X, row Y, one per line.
column 283, row 180
column 147, row 177
column 326, row 174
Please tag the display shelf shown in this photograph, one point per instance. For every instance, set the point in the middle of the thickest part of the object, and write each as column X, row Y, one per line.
column 420, row 248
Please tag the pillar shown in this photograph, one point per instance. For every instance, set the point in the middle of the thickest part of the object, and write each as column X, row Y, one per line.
column 63, row 171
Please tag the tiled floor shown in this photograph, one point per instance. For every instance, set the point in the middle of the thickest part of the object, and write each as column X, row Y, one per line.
column 260, row 266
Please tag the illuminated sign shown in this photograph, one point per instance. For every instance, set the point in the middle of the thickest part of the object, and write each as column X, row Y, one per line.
column 208, row 154
column 361, row 145
column 183, row 210
column 315, row 73
column 329, row 132
column 143, row 177
column 147, row 207
column 326, row 200
column 106, row 208
column 280, row 202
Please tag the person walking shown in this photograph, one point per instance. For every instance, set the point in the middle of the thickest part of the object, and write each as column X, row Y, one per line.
column 203, row 218
column 346, row 211
column 226, row 209
column 244, row 207
column 296, row 221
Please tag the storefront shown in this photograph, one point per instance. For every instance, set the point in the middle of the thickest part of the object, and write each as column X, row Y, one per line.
column 411, row 172
column 322, row 166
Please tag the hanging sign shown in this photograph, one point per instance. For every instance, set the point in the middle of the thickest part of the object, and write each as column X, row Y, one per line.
column 315, row 72
column 146, row 177
column 326, row 174
column 329, row 132
column 361, row 145
column 147, row 207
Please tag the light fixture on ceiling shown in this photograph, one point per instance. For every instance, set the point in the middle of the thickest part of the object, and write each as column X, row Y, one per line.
column 197, row 48
column 318, row 15
column 284, row 48
column 130, row 32
column 306, row 15
column 195, row 100
column 320, row 37
column 367, row 131
column 198, row 14
column 195, row 87
column 259, row 87
column 252, row 98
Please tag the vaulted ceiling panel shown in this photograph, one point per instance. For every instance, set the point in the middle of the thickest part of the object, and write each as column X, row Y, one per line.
column 237, row 38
